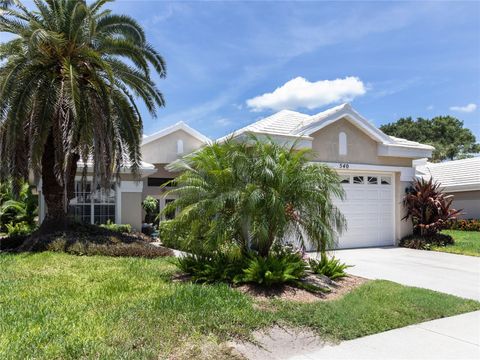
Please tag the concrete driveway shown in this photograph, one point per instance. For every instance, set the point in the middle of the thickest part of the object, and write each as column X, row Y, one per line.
column 448, row 273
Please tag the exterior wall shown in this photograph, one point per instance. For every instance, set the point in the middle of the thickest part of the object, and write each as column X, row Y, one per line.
column 361, row 148
column 164, row 150
column 469, row 201
column 402, row 227
column 131, row 209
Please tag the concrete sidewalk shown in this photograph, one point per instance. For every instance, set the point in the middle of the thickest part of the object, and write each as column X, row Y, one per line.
column 456, row 337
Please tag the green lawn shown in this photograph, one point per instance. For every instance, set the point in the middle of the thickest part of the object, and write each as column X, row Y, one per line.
column 61, row 306
column 466, row 243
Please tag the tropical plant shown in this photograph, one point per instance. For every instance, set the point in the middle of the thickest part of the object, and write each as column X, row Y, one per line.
column 22, row 208
column 420, row 242
column 18, row 229
column 257, row 193
column 428, row 207
column 120, row 228
column 221, row 266
column 150, row 205
column 330, row 267
column 274, row 269
column 464, row 225
column 69, row 80
column 446, row 133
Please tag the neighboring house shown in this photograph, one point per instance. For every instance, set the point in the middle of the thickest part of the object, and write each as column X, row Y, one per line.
column 460, row 178
column 122, row 203
column 375, row 169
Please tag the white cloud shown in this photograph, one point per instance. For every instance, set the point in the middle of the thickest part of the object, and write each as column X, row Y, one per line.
column 301, row 93
column 430, row 107
column 466, row 109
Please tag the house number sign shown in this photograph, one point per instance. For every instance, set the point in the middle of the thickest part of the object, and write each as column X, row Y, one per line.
column 343, row 165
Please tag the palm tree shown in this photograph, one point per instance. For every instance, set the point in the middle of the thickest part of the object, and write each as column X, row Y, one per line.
column 69, row 80
column 257, row 193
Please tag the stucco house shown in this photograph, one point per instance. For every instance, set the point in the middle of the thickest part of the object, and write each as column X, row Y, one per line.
column 460, row 178
column 375, row 169
column 122, row 202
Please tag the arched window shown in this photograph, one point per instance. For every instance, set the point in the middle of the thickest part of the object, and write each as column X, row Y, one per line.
column 342, row 143
column 179, row 147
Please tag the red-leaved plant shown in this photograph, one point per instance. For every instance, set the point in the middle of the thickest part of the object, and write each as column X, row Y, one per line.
column 428, row 207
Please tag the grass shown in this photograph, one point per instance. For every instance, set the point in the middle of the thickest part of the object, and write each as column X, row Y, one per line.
column 55, row 305
column 466, row 243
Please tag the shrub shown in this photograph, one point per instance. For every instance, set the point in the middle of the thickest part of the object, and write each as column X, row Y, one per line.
column 331, row 267
column 19, row 229
column 190, row 237
column 230, row 265
column 19, row 208
column 428, row 207
column 86, row 239
column 426, row 242
column 274, row 269
column 219, row 267
column 135, row 249
column 464, row 224
column 120, row 228
column 152, row 208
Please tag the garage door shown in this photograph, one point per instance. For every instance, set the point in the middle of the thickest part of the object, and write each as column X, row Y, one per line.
column 368, row 208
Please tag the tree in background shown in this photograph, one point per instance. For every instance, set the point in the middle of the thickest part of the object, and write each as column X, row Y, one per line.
column 69, row 80
column 446, row 133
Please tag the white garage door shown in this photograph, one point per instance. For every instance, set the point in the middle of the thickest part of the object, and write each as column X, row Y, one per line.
column 368, row 208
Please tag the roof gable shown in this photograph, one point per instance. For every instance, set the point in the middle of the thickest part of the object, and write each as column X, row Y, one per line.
column 173, row 128
column 344, row 111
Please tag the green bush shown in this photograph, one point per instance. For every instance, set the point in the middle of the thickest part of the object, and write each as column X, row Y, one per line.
column 151, row 207
column 426, row 242
column 464, row 225
column 19, row 208
column 220, row 267
column 331, row 267
column 120, row 228
column 190, row 237
column 234, row 267
column 274, row 269
column 134, row 249
column 19, row 229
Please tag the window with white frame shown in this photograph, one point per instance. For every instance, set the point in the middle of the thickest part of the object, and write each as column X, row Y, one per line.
column 93, row 207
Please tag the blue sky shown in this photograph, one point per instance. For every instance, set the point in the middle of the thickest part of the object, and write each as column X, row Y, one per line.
column 391, row 59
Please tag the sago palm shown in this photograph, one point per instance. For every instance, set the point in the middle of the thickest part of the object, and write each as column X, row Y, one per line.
column 257, row 193
column 69, row 81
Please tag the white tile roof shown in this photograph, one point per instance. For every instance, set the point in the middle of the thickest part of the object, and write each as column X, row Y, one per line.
column 283, row 123
column 455, row 175
column 295, row 124
column 405, row 142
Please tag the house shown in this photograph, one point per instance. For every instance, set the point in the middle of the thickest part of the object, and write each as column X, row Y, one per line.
column 122, row 203
column 460, row 178
column 375, row 170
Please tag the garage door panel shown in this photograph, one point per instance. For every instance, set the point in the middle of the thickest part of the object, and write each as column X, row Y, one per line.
column 368, row 209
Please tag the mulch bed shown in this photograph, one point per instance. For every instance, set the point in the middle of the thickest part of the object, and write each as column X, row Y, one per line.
column 80, row 239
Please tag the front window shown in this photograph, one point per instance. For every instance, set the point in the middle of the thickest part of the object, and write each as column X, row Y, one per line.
column 97, row 207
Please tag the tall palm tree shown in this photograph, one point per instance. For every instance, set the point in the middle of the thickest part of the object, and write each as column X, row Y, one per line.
column 258, row 193
column 69, row 81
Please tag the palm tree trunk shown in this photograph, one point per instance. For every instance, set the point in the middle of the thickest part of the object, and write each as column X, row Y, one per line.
column 53, row 191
